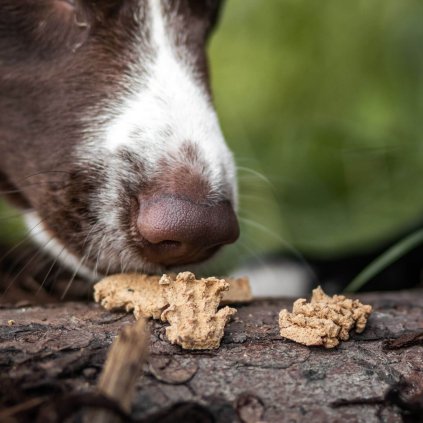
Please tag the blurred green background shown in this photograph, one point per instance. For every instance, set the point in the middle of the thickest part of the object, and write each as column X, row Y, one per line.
column 324, row 100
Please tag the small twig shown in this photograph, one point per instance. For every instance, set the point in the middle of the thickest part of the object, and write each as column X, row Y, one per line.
column 121, row 370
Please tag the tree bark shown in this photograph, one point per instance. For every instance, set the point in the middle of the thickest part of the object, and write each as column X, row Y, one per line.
column 51, row 357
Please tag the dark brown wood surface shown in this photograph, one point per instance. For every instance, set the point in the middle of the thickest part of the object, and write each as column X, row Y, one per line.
column 51, row 357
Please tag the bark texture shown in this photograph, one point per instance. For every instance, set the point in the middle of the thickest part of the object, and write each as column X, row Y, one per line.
column 51, row 357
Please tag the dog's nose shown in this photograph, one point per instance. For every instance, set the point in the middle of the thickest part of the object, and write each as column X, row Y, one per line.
column 179, row 231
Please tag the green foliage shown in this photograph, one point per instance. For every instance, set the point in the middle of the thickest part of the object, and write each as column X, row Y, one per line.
column 11, row 225
column 326, row 100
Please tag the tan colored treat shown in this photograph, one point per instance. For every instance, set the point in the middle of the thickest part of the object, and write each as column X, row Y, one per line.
column 343, row 317
column 350, row 308
column 319, row 296
column 182, row 297
column 308, row 330
column 145, row 294
column 324, row 320
column 194, row 320
column 141, row 293
column 239, row 291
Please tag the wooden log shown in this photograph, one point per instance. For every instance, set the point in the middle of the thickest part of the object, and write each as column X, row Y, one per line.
column 52, row 355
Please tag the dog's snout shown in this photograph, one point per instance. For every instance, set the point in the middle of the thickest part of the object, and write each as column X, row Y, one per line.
column 179, row 231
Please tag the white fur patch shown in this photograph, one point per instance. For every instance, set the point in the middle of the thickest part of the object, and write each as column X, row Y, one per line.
column 168, row 109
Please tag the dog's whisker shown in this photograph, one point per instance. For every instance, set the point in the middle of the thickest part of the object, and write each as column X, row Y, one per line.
column 81, row 262
column 27, row 263
column 68, row 286
column 16, row 216
column 28, row 235
column 43, row 172
column 60, row 253
column 285, row 243
column 99, row 252
column 22, row 188
column 255, row 173
column 50, row 269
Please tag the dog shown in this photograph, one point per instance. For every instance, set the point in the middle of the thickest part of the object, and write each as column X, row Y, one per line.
column 109, row 141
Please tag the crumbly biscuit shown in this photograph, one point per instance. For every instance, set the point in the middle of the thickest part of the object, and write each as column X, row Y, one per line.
column 188, row 304
column 324, row 320
column 195, row 322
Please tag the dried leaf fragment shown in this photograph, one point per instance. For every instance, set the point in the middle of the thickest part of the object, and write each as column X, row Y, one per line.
column 324, row 320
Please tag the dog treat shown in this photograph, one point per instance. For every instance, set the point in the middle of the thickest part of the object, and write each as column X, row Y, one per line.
column 141, row 294
column 189, row 305
column 194, row 320
column 239, row 291
column 145, row 296
column 324, row 320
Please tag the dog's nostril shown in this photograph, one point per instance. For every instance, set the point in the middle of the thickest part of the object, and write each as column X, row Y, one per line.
column 179, row 231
